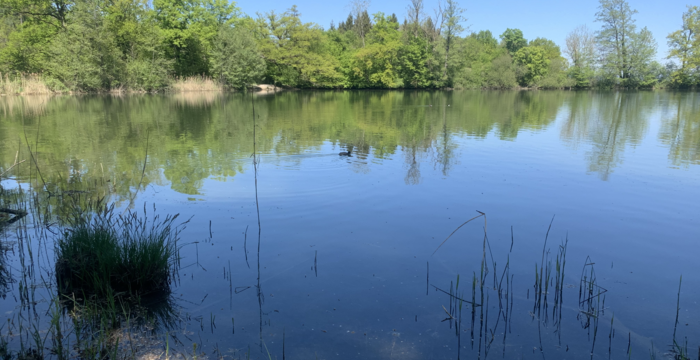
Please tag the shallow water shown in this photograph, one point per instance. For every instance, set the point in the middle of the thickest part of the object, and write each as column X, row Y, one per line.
column 346, row 242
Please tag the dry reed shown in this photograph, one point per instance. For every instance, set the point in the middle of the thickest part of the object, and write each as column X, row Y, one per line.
column 195, row 83
column 23, row 84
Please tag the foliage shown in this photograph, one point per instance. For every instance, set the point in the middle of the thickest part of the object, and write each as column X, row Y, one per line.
column 24, row 40
column 626, row 52
column 141, row 45
column 642, row 53
column 614, row 37
column 535, row 61
column 580, row 48
column 485, row 37
column 189, row 27
column 84, row 55
column 235, row 58
column 297, row 54
column 502, row 74
column 413, row 57
column 684, row 46
column 513, row 40
column 451, row 28
column 557, row 76
column 478, row 53
column 551, row 50
column 377, row 64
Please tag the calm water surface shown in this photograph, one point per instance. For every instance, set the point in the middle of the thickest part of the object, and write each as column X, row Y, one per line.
column 340, row 269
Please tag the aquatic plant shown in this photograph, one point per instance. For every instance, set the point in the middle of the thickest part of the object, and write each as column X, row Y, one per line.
column 104, row 255
column 195, row 83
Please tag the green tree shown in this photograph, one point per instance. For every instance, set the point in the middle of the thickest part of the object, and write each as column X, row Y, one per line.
column 513, row 40
column 377, row 65
column 362, row 24
column 414, row 18
column 684, row 45
column 53, row 12
column 189, row 27
column 535, row 61
column 625, row 52
column 580, row 48
column 478, row 52
column 29, row 27
column 451, row 28
column 557, row 76
column 413, row 56
column 641, row 59
column 485, row 37
column 25, row 44
column 297, row 54
column 138, row 38
column 347, row 25
column 235, row 58
column 552, row 50
column 502, row 74
column 84, row 55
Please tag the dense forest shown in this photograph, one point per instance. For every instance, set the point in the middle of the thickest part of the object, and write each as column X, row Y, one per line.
column 140, row 45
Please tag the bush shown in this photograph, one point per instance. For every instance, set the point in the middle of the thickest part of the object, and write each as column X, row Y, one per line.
column 103, row 255
column 502, row 75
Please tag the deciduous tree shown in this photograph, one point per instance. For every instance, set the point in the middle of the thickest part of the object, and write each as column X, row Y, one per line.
column 535, row 61
column 235, row 57
column 580, row 48
column 451, row 28
column 615, row 37
column 513, row 40
column 362, row 24
column 684, row 45
column 296, row 53
column 377, row 64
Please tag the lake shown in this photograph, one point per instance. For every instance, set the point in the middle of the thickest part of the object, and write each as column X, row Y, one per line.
column 349, row 258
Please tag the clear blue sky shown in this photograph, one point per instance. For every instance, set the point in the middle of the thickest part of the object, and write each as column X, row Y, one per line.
column 536, row 18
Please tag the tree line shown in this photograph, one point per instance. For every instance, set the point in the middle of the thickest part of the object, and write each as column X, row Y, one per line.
column 141, row 45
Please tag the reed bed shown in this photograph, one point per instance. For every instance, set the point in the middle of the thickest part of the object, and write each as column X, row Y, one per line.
column 195, row 83
column 24, row 84
column 38, row 84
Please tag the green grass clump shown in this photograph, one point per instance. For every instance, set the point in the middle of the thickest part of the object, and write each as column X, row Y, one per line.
column 104, row 255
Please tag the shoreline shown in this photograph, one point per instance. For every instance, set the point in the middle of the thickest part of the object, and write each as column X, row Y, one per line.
column 281, row 89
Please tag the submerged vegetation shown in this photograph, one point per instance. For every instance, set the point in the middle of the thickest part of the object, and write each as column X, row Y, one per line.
column 134, row 45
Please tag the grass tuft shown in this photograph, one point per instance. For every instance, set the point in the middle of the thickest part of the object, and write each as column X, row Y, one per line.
column 104, row 255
